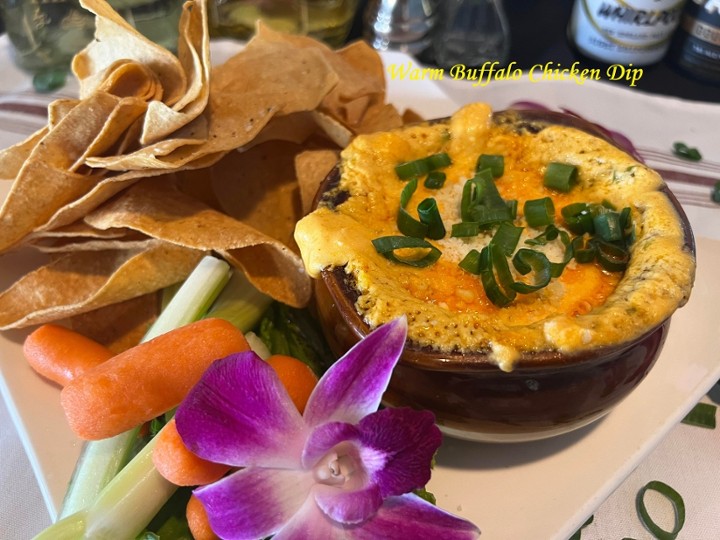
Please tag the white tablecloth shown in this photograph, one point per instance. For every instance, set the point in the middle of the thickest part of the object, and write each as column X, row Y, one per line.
column 688, row 458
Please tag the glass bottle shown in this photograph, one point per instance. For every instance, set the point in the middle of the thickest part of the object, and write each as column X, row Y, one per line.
column 472, row 32
column 695, row 48
column 618, row 31
column 400, row 25
column 327, row 20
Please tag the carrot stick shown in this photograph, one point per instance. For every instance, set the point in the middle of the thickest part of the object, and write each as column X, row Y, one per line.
column 147, row 380
column 296, row 376
column 179, row 465
column 198, row 521
column 60, row 354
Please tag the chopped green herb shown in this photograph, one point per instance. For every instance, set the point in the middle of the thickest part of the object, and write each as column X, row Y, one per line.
column 435, row 180
column 702, row 415
column 495, row 163
column 715, row 195
column 682, row 150
column 539, row 212
column 560, row 176
column 430, row 217
column 386, row 246
column 675, row 499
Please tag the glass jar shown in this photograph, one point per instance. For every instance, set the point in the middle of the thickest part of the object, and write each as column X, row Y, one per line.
column 46, row 34
column 471, row 32
column 695, row 47
column 327, row 20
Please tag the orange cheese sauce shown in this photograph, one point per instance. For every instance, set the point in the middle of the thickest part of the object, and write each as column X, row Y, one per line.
column 447, row 307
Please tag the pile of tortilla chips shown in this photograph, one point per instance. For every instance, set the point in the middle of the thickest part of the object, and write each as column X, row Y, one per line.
column 163, row 159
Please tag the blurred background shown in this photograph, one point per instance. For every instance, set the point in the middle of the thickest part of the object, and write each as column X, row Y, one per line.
column 45, row 34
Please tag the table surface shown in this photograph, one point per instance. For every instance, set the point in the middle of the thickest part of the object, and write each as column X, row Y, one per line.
column 682, row 458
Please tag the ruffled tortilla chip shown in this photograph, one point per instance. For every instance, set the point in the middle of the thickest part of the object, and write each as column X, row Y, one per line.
column 13, row 157
column 241, row 105
column 162, row 119
column 126, row 78
column 118, row 326
column 312, row 167
column 159, row 210
column 79, row 282
column 115, row 40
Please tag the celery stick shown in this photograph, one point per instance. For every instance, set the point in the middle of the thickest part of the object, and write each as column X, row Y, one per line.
column 123, row 508
column 100, row 461
column 240, row 302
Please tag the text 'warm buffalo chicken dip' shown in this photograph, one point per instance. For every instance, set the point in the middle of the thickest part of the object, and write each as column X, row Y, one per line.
column 492, row 232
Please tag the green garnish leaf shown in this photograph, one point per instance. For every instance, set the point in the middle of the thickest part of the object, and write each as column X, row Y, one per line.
column 682, row 150
column 539, row 212
column 438, row 161
column 435, row 180
column 527, row 260
column 702, row 415
column 386, row 246
column 496, row 164
column 560, row 176
column 430, row 217
column 412, row 169
column 678, row 505
column 715, row 195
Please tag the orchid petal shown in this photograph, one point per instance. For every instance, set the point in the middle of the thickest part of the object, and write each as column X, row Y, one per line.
column 254, row 502
column 311, row 524
column 240, row 414
column 348, row 507
column 408, row 440
column 353, row 387
column 324, row 438
column 409, row 516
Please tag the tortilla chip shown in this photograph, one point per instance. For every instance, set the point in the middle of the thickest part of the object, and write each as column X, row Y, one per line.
column 13, row 157
column 115, row 40
column 312, row 167
column 194, row 55
column 118, row 326
column 80, row 282
column 161, row 211
column 126, row 78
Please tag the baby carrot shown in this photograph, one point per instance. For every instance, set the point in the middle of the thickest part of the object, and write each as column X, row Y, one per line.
column 60, row 354
column 179, row 465
column 297, row 378
column 198, row 521
column 147, row 380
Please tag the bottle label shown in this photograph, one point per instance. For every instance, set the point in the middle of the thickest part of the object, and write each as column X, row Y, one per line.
column 625, row 31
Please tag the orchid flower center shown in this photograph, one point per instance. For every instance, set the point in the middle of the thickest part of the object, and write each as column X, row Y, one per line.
column 341, row 466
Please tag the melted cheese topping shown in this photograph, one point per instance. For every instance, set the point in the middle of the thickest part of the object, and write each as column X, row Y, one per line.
column 447, row 308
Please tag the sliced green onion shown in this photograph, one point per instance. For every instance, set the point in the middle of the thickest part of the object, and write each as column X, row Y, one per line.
column 386, row 246
column 611, row 257
column 507, row 237
column 430, row 216
column 438, row 161
column 465, row 229
column 512, row 205
column 682, row 150
column 551, row 233
column 578, row 218
column 407, row 192
column 412, row 169
column 406, row 223
column 715, row 195
column 560, row 176
column 607, row 226
column 702, row 415
column 678, row 505
column 435, row 180
column 583, row 250
column 497, row 279
column 410, row 226
column 527, row 260
column 539, row 212
column 484, row 215
column 496, row 164
column 471, row 262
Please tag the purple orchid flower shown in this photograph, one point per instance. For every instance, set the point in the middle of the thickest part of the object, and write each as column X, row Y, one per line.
column 343, row 470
